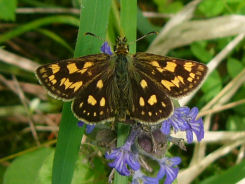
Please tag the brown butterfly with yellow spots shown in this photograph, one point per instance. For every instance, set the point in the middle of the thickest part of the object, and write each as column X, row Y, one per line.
column 108, row 88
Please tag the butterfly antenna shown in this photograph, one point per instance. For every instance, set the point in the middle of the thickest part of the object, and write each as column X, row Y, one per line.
column 94, row 35
column 147, row 34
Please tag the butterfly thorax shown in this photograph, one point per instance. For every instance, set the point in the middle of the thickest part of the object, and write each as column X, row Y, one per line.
column 121, row 47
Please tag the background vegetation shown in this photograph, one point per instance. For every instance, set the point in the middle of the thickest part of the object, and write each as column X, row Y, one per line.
column 37, row 32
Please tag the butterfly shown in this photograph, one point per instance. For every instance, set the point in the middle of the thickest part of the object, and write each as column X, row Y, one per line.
column 110, row 88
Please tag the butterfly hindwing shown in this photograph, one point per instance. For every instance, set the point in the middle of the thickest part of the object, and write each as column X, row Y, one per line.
column 150, row 106
column 65, row 79
column 177, row 77
column 94, row 104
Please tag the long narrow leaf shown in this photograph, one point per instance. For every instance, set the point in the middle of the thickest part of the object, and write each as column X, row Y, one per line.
column 94, row 18
column 38, row 23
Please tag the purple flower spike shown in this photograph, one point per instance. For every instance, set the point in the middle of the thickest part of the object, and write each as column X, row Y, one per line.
column 139, row 177
column 89, row 128
column 106, row 48
column 124, row 157
column 194, row 126
column 168, row 168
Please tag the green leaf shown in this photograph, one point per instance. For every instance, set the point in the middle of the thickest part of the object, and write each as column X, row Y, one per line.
column 211, row 8
column 165, row 6
column 145, row 26
column 234, row 67
column 94, row 18
column 25, row 168
column 235, row 123
column 86, row 171
column 200, row 52
column 231, row 175
column 239, row 96
column 2, row 171
column 56, row 38
column 38, row 23
column 7, row 9
column 212, row 86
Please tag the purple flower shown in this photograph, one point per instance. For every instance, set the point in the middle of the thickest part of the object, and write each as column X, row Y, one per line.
column 105, row 48
column 184, row 119
column 194, row 126
column 123, row 157
column 89, row 128
column 168, row 168
column 176, row 121
column 139, row 177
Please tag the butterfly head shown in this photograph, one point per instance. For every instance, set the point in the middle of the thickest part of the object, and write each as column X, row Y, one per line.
column 121, row 47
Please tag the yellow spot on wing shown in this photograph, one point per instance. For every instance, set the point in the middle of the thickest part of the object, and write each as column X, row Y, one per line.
column 95, row 114
column 86, row 66
column 42, row 70
column 101, row 112
column 44, row 75
column 167, row 84
column 188, row 66
column 62, row 81
column 102, row 102
column 170, row 66
column 163, row 104
column 181, row 79
column 67, row 83
column 198, row 73
column 152, row 100
column 81, row 104
column 100, row 84
column 53, row 81
column 51, row 77
column 141, row 101
column 143, row 84
column 55, row 68
column 142, row 113
column 76, row 85
column 190, row 79
column 176, row 81
column 150, row 113
column 192, row 75
column 156, row 64
column 91, row 100
column 201, row 68
column 72, row 68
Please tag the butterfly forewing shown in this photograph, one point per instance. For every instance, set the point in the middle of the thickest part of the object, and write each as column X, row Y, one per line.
column 66, row 78
column 176, row 77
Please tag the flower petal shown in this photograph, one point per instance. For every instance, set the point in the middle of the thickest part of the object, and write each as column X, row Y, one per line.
column 189, row 136
column 105, row 48
column 171, row 174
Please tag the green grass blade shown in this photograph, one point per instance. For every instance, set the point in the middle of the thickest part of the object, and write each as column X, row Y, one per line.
column 56, row 38
column 128, row 20
column 38, row 23
column 94, row 18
